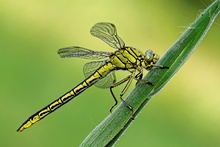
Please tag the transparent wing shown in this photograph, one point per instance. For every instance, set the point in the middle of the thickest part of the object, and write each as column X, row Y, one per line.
column 107, row 32
column 75, row 51
column 91, row 67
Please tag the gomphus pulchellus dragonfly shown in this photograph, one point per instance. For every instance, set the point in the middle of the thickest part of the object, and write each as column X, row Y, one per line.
column 101, row 73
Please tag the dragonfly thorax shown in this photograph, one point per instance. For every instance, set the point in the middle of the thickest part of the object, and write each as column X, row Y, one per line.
column 130, row 58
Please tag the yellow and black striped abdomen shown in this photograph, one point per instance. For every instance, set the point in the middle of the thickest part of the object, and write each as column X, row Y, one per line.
column 99, row 74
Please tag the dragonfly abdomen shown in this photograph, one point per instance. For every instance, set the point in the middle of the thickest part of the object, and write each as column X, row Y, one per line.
column 98, row 74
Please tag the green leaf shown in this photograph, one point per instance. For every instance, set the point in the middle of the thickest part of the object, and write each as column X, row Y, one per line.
column 112, row 127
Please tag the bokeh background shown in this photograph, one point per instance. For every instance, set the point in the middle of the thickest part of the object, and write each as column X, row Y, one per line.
column 185, row 113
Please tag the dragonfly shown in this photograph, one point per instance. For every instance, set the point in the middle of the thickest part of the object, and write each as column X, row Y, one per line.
column 101, row 72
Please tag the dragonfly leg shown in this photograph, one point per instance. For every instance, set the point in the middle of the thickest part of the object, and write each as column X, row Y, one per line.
column 161, row 66
column 139, row 77
column 129, row 80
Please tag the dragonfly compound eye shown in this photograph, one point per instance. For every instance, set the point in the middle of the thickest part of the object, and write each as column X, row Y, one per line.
column 149, row 55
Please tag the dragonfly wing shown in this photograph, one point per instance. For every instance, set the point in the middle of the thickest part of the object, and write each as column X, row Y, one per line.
column 107, row 81
column 91, row 67
column 108, row 33
column 75, row 51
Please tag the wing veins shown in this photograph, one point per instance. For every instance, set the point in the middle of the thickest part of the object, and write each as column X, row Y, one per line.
column 107, row 32
column 80, row 52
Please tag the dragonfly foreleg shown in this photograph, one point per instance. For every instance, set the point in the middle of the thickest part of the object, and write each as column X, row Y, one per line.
column 139, row 77
column 129, row 80
column 160, row 66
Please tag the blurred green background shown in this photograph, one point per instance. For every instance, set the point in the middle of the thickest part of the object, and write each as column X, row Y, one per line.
column 185, row 113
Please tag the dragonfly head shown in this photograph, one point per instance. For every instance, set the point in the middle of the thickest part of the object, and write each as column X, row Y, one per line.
column 151, row 58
